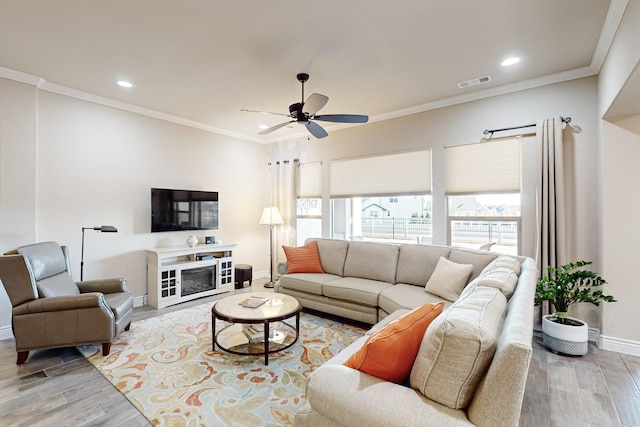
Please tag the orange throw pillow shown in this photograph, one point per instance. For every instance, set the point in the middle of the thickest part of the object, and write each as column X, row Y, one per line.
column 304, row 259
column 390, row 352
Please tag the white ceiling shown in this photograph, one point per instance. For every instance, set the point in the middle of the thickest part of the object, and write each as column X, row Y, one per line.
column 201, row 62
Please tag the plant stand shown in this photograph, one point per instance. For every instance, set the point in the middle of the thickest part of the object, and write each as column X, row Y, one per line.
column 566, row 339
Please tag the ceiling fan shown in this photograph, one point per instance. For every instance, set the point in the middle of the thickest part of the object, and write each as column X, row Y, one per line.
column 305, row 112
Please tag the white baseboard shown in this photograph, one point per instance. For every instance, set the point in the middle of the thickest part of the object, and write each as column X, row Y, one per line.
column 140, row 301
column 620, row 345
column 6, row 332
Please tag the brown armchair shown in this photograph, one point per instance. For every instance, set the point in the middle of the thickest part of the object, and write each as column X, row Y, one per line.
column 50, row 310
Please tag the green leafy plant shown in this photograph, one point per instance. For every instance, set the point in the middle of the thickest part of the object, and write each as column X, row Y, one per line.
column 568, row 284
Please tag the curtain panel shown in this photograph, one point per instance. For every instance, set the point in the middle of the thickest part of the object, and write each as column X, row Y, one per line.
column 283, row 175
column 551, row 201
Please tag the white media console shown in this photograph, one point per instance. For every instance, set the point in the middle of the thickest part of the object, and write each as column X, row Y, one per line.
column 184, row 273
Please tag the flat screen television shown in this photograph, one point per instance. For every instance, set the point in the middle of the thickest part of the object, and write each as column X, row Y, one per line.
column 178, row 210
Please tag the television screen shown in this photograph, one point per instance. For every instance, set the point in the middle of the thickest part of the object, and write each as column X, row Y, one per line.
column 177, row 210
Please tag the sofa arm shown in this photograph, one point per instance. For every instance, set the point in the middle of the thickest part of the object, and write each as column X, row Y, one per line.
column 106, row 286
column 282, row 268
column 349, row 397
column 63, row 303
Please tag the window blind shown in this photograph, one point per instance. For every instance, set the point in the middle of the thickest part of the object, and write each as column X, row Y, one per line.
column 392, row 174
column 310, row 186
column 486, row 167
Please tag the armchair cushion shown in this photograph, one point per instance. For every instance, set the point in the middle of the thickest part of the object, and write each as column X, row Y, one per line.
column 45, row 259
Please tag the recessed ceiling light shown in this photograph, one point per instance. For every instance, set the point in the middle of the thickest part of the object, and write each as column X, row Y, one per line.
column 510, row 61
column 263, row 127
column 124, row 83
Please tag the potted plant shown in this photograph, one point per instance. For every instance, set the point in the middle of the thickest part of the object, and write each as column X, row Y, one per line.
column 563, row 286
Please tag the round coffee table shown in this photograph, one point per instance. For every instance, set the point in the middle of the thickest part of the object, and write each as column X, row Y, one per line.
column 277, row 308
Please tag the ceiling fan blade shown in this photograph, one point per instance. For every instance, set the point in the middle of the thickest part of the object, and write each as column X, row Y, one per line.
column 276, row 127
column 314, row 103
column 316, row 130
column 265, row 112
column 343, row 118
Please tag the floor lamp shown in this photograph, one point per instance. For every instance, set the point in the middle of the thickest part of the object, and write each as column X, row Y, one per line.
column 271, row 216
column 104, row 229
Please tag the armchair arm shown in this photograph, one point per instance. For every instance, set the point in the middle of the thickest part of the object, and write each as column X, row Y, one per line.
column 63, row 303
column 106, row 286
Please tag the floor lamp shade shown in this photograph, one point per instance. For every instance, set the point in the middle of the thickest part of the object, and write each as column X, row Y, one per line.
column 271, row 216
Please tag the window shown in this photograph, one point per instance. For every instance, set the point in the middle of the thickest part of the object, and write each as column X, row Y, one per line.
column 309, row 219
column 406, row 220
column 482, row 185
column 309, row 203
column 382, row 198
column 489, row 220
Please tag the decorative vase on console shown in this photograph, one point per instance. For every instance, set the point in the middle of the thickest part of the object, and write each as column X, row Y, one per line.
column 192, row 240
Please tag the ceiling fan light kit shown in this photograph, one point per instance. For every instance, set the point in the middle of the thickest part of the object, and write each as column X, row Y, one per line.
column 304, row 112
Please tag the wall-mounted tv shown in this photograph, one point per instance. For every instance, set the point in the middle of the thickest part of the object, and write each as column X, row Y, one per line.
column 178, row 210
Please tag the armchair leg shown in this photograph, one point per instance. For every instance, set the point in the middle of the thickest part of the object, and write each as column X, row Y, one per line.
column 106, row 348
column 127, row 327
column 22, row 357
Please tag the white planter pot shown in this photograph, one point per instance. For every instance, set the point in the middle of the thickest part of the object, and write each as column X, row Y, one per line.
column 567, row 339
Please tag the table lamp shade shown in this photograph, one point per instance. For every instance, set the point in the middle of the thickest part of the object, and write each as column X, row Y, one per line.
column 271, row 216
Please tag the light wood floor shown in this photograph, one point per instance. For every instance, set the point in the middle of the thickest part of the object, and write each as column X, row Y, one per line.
column 60, row 388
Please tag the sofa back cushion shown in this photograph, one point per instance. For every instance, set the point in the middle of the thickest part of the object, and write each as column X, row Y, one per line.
column 375, row 261
column 479, row 259
column 332, row 254
column 458, row 347
column 416, row 263
column 49, row 266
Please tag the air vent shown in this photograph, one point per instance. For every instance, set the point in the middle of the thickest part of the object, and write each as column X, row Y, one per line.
column 473, row 82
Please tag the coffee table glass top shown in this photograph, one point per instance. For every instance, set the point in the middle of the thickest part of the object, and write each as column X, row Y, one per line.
column 277, row 306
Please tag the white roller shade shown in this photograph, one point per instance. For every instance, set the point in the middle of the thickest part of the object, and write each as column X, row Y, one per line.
column 310, row 181
column 393, row 174
column 487, row 167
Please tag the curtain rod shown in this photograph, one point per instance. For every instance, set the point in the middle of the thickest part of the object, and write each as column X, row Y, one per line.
column 491, row 131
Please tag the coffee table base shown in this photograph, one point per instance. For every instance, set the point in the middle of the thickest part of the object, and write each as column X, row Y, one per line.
column 266, row 326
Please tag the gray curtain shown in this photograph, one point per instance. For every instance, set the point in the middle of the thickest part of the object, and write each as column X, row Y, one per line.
column 553, row 232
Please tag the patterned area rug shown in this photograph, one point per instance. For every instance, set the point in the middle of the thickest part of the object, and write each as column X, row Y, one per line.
column 165, row 366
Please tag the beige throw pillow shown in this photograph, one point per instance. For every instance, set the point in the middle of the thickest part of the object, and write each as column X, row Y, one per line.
column 448, row 279
column 458, row 347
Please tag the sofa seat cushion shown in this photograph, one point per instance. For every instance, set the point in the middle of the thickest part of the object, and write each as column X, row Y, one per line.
column 374, row 261
column 355, row 289
column 458, row 347
column 406, row 296
column 306, row 282
column 416, row 263
column 389, row 353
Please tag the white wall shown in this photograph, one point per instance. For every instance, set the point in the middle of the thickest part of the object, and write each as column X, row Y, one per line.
column 620, row 176
column 620, row 230
column 17, row 172
column 94, row 165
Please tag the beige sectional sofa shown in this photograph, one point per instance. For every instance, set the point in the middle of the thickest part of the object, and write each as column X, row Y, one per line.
column 472, row 365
